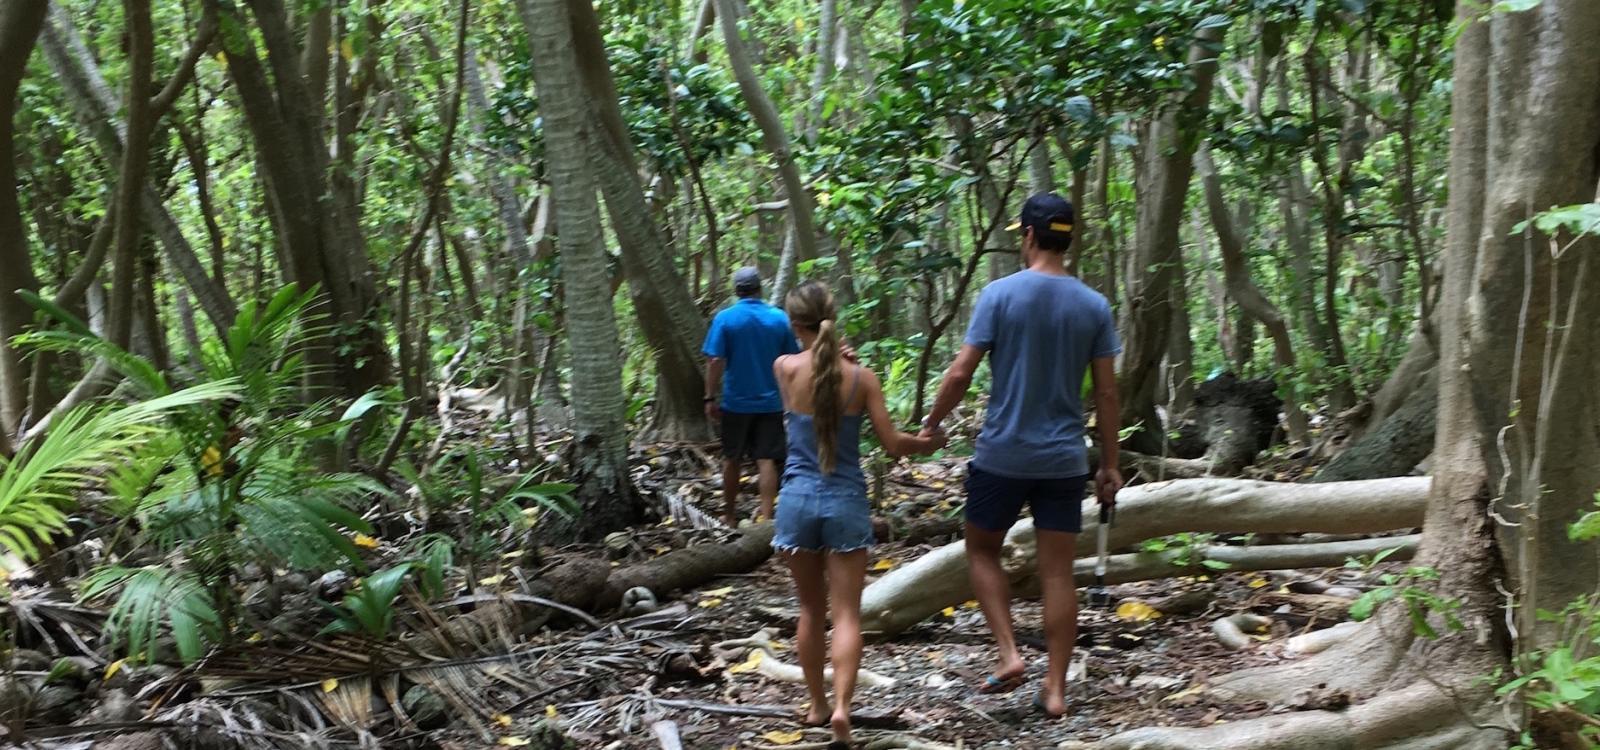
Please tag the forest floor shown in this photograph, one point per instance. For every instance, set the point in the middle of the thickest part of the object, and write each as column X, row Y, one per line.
column 607, row 682
column 1142, row 669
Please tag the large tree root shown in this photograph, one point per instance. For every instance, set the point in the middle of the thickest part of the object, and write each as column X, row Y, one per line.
column 771, row 666
column 912, row 593
column 592, row 584
column 1419, row 717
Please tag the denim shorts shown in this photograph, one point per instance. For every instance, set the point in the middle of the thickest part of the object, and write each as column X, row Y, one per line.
column 815, row 515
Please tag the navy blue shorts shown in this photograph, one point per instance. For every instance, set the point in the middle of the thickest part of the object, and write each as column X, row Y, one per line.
column 994, row 502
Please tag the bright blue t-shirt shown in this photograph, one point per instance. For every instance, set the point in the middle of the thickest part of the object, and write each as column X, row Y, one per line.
column 1040, row 331
column 749, row 336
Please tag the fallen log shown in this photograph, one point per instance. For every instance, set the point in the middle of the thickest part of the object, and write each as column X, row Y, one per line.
column 592, row 584
column 911, row 593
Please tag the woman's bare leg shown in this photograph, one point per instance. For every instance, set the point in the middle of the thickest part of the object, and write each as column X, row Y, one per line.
column 810, row 588
column 846, row 573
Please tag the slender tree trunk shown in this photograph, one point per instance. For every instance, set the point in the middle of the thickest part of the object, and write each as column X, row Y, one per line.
column 571, row 140
column 96, row 107
column 1040, row 176
column 1243, row 290
column 20, row 21
column 802, row 212
column 666, row 312
column 1178, row 372
column 1168, row 153
column 827, row 26
column 126, row 231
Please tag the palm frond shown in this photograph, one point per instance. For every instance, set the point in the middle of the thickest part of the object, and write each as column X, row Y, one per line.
column 37, row 485
column 147, row 598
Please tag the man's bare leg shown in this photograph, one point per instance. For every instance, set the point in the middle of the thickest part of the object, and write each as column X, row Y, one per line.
column 1057, row 552
column 768, row 485
column 993, row 589
column 730, row 492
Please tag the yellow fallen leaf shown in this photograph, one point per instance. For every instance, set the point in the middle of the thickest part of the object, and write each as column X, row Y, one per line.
column 1262, row 638
column 711, row 603
column 1135, row 611
column 668, row 521
column 502, row 719
column 329, row 685
column 748, row 665
column 114, row 667
column 948, row 612
column 492, row 580
column 211, row 461
column 365, row 542
column 780, row 737
column 724, row 591
column 550, row 711
column 515, row 741
column 884, row 564
column 1257, row 583
column 255, row 638
column 970, row 604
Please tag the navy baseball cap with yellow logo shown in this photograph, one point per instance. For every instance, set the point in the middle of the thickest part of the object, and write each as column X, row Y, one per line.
column 1048, row 214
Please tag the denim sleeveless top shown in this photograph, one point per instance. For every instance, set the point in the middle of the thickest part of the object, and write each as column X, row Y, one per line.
column 804, row 461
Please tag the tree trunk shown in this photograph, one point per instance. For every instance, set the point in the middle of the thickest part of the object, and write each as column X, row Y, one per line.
column 318, row 247
column 773, row 135
column 1515, row 380
column 20, row 21
column 1168, row 154
column 909, row 594
column 1394, row 446
column 136, row 133
column 96, row 107
column 1178, row 372
column 600, row 445
column 1243, row 290
column 827, row 26
column 666, row 311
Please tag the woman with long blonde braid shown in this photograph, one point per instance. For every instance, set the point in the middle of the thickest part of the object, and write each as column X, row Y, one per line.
column 824, row 523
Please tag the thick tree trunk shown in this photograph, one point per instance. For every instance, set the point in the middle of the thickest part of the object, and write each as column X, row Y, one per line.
column 665, row 310
column 599, row 449
column 1168, row 154
column 136, row 133
column 1393, row 447
column 20, row 21
column 1516, row 406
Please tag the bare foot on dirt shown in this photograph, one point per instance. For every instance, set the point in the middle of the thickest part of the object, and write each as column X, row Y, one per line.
column 841, row 725
column 816, row 716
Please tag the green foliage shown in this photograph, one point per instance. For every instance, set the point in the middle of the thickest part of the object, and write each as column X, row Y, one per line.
column 1587, row 528
column 1582, row 219
column 1189, row 549
column 145, row 598
column 38, row 485
column 1422, row 602
column 369, row 609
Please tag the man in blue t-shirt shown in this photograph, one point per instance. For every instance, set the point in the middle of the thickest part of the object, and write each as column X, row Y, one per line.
column 742, row 391
column 1041, row 328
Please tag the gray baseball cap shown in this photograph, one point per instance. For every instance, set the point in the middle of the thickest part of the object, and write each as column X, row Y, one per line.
column 747, row 280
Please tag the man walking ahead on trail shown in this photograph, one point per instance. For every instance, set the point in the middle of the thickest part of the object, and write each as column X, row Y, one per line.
column 1042, row 328
column 742, row 392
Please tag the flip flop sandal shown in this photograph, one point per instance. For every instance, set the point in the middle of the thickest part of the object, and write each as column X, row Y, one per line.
column 993, row 685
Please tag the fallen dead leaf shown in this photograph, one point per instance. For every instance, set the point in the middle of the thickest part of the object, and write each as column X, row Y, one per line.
column 1137, row 611
column 515, row 741
column 884, row 564
column 780, row 737
column 329, row 685
column 748, row 665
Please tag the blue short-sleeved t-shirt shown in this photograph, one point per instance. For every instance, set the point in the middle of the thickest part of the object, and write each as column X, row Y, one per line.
column 749, row 336
column 1041, row 331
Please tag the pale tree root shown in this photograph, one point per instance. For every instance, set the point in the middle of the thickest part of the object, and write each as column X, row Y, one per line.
column 1147, row 566
column 1417, row 717
column 909, row 594
column 772, row 667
